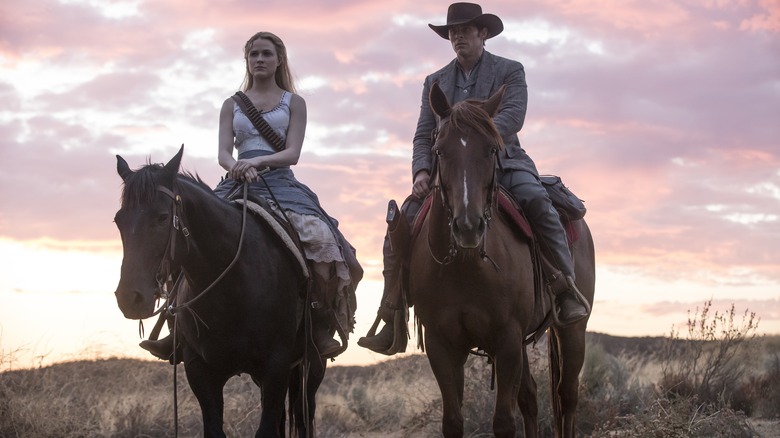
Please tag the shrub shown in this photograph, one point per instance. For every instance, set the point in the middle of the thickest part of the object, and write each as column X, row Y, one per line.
column 760, row 395
column 710, row 363
column 682, row 417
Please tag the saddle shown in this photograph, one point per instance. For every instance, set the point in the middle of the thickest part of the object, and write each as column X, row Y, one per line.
column 283, row 229
column 509, row 207
column 262, row 208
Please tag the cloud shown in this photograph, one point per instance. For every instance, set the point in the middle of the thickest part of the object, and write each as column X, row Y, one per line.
column 659, row 114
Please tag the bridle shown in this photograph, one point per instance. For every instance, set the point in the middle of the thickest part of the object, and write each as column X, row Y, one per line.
column 439, row 184
column 164, row 271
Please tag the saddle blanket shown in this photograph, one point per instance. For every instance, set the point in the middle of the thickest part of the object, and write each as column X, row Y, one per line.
column 279, row 230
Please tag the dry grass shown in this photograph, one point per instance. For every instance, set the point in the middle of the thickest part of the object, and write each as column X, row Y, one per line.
column 620, row 397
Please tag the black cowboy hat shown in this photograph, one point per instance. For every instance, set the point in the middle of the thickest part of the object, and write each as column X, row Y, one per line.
column 469, row 13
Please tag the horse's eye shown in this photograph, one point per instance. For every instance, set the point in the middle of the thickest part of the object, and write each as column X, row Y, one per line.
column 118, row 217
column 163, row 217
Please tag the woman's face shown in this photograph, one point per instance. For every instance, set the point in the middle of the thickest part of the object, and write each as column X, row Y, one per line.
column 467, row 40
column 262, row 59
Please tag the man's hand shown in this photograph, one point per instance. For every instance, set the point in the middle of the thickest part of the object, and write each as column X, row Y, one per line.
column 420, row 187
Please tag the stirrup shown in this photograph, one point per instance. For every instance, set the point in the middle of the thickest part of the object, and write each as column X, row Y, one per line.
column 400, row 337
column 576, row 295
column 163, row 349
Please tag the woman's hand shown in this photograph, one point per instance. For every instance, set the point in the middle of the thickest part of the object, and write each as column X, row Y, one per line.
column 245, row 170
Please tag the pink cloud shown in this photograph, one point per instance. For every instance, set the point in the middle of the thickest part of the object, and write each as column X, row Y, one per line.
column 660, row 115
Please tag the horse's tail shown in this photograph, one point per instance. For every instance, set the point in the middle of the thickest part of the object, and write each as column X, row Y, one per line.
column 297, row 402
column 555, row 378
column 305, row 378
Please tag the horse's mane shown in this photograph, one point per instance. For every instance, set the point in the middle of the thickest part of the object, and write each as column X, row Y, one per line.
column 469, row 114
column 141, row 186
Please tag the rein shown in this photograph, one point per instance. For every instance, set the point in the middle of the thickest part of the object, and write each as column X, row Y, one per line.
column 164, row 272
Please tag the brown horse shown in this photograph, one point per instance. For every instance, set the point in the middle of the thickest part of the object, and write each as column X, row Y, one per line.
column 472, row 280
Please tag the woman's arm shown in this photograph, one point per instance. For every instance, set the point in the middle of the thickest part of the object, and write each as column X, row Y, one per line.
column 226, row 136
column 293, row 144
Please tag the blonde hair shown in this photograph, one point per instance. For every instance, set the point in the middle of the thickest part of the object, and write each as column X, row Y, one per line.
column 283, row 74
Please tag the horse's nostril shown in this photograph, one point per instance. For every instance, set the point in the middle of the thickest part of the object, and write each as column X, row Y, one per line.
column 129, row 297
column 463, row 225
column 455, row 227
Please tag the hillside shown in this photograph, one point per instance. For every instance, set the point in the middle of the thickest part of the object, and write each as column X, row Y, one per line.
column 396, row 398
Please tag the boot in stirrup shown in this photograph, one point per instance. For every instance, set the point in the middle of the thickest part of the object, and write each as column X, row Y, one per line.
column 162, row 349
column 392, row 338
column 572, row 306
column 327, row 347
column 321, row 318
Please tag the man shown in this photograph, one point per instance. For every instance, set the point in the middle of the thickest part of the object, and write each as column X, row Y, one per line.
column 477, row 74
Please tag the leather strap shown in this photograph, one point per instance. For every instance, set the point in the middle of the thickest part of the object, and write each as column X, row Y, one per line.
column 277, row 142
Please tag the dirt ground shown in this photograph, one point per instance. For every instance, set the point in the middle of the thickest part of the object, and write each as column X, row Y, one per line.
column 766, row 428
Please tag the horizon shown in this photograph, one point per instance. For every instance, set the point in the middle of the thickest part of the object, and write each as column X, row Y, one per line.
column 660, row 115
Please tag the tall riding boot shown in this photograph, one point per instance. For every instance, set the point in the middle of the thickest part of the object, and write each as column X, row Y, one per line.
column 546, row 223
column 322, row 333
column 571, row 305
column 392, row 338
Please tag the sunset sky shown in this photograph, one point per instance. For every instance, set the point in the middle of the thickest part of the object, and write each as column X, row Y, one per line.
column 663, row 115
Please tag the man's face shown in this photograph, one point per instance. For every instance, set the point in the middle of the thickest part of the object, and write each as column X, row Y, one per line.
column 467, row 40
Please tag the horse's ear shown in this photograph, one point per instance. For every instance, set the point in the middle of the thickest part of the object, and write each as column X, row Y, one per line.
column 122, row 168
column 491, row 105
column 438, row 101
column 172, row 167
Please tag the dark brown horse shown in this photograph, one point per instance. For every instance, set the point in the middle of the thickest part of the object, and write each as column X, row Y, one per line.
column 247, row 321
column 472, row 280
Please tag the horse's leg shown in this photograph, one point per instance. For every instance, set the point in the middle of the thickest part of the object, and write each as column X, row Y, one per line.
column 207, row 386
column 571, row 348
column 447, row 366
column 526, row 400
column 273, row 380
column 509, row 369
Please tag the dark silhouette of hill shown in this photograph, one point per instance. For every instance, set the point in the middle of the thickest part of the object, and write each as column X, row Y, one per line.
column 615, row 345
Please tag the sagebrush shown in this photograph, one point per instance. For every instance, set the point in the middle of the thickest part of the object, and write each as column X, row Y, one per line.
column 629, row 387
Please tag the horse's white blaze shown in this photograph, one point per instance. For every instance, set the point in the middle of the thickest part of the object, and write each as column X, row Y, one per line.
column 465, row 192
column 463, row 142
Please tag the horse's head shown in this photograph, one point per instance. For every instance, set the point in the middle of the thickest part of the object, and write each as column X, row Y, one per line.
column 466, row 149
column 146, row 222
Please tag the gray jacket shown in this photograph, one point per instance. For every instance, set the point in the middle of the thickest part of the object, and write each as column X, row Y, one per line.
column 493, row 72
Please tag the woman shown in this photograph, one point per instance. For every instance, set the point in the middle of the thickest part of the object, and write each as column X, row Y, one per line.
column 269, row 86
